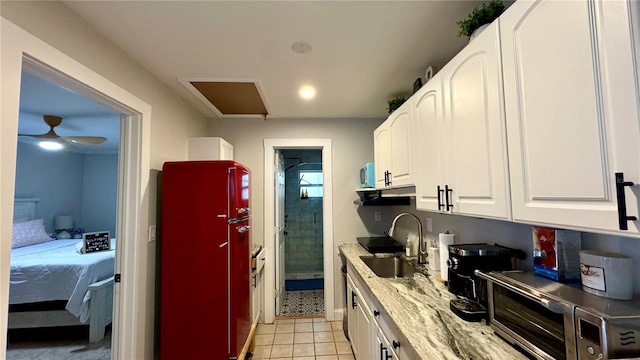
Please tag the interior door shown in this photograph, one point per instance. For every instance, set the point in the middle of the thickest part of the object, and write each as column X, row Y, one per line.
column 279, row 228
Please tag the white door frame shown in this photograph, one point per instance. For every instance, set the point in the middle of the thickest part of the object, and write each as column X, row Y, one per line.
column 270, row 145
column 21, row 50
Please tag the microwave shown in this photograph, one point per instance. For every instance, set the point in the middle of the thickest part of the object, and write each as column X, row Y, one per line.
column 367, row 176
column 555, row 321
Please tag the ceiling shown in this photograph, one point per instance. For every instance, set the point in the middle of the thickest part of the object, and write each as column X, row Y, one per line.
column 80, row 115
column 363, row 53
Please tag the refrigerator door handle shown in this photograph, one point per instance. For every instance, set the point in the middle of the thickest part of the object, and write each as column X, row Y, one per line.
column 243, row 229
column 243, row 210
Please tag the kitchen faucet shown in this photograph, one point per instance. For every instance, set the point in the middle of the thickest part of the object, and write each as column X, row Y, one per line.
column 421, row 252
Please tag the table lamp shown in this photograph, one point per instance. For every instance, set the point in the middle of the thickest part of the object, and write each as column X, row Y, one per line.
column 63, row 224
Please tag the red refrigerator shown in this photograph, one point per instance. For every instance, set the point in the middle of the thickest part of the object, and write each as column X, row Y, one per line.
column 205, row 260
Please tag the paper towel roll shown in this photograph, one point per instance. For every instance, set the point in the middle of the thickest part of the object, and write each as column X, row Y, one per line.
column 444, row 240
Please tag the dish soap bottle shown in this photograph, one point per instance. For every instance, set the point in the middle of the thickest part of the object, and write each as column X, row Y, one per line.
column 408, row 247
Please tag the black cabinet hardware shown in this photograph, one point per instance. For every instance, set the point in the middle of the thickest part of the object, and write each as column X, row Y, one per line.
column 440, row 204
column 622, row 202
column 447, row 190
column 382, row 349
column 353, row 300
column 376, row 313
column 396, row 344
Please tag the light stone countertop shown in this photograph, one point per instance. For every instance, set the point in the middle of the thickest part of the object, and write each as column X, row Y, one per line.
column 419, row 307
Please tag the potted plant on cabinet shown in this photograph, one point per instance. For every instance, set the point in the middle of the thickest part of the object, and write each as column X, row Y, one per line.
column 480, row 17
column 395, row 103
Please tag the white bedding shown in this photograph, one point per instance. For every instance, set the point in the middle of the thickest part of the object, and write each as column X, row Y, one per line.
column 56, row 271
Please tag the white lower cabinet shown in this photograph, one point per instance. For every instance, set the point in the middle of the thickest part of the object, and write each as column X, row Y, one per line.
column 372, row 333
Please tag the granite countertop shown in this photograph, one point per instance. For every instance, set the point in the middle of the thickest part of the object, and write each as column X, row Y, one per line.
column 419, row 307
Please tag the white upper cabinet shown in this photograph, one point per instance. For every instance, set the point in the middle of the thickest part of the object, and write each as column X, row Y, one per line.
column 427, row 109
column 461, row 132
column 572, row 102
column 209, row 148
column 393, row 149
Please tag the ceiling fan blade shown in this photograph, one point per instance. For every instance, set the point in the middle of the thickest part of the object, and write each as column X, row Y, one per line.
column 84, row 140
column 41, row 136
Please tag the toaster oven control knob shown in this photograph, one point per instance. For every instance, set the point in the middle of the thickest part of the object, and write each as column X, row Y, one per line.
column 453, row 263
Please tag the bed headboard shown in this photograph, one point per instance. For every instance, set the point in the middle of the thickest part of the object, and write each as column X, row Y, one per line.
column 24, row 208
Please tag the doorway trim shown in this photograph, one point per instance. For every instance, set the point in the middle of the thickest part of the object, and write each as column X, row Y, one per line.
column 21, row 50
column 270, row 146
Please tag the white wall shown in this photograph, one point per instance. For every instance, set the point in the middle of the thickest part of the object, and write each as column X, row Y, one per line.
column 172, row 122
column 53, row 177
column 99, row 192
column 352, row 141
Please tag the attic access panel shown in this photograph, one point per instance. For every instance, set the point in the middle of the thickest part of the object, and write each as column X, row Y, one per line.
column 230, row 98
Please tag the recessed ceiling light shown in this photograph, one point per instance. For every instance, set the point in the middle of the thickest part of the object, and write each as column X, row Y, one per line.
column 307, row 92
column 301, row 47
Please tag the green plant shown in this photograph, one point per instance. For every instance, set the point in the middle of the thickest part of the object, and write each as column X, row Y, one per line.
column 395, row 103
column 480, row 16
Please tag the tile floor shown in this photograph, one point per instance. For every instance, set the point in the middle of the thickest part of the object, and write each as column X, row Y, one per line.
column 70, row 348
column 302, row 339
column 303, row 302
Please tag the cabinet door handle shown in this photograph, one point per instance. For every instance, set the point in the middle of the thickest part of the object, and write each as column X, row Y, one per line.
column 447, row 190
column 382, row 349
column 622, row 202
column 389, row 178
column 386, row 178
column 440, row 204
column 353, row 300
column 376, row 313
column 396, row 344
column 255, row 281
column 387, row 356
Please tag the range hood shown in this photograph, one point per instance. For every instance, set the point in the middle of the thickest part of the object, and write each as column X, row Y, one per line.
column 372, row 197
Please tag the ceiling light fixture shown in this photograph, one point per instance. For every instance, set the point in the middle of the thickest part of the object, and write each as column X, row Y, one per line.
column 51, row 145
column 307, row 92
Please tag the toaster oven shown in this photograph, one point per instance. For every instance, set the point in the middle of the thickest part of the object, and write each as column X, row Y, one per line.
column 555, row 321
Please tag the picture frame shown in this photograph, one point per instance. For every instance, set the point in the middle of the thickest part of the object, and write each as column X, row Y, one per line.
column 417, row 85
column 96, row 241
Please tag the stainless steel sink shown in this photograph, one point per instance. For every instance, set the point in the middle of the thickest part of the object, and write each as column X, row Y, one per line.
column 389, row 267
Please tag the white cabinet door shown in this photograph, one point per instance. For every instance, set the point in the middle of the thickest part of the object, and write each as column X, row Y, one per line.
column 393, row 149
column 475, row 129
column 382, row 154
column 351, row 304
column 364, row 337
column 400, row 134
column 427, row 110
column 571, row 100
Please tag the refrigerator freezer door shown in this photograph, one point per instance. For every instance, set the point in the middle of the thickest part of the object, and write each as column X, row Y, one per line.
column 238, row 192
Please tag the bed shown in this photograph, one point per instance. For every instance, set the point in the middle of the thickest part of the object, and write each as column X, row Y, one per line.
column 53, row 284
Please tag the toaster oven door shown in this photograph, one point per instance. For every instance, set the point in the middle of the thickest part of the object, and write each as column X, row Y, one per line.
column 539, row 326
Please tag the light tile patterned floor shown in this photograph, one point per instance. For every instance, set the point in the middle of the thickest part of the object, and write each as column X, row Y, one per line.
column 303, row 302
column 302, row 339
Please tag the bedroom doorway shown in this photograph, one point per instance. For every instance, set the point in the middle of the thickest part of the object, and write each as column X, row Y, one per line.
column 23, row 51
column 51, row 273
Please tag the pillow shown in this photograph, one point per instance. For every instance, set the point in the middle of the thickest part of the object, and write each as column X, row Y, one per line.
column 29, row 233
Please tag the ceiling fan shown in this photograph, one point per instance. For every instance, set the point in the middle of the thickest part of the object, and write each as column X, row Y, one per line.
column 54, row 121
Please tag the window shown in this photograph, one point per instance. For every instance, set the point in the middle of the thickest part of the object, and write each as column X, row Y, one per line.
column 311, row 183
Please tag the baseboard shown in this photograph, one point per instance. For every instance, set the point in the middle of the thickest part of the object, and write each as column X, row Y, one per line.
column 338, row 314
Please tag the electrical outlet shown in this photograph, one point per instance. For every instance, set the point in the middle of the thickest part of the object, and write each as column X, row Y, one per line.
column 377, row 215
column 429, row 225
column 152, row 233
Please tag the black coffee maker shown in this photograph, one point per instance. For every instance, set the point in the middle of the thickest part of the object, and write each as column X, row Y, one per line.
column 471, row 291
